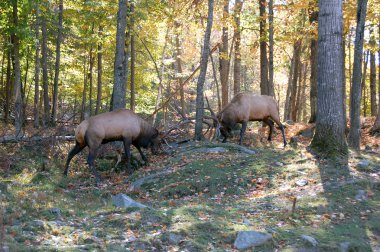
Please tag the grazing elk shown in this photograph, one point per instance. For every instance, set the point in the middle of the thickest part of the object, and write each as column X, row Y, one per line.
column 118, row 125
column 245, row 107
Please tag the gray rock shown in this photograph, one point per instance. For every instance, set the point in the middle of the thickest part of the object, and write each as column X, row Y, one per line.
column 35, row 225
column 122, row 200
column 363, row 164
column 247, row 239
column 290, row 122
column 55, row 211
column 361, row 195
column 344, row 246
column 279, row 164
column 213, row 150
column 302, row 182
column 307, row 132
column 174, row 239
column 310, row 240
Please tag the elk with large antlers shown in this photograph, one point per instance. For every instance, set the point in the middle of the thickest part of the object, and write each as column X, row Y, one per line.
column 118, row 125
column 245, row 107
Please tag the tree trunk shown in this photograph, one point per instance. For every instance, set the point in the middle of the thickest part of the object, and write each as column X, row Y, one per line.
column 202, row 74
column 17, row 76
column 57, row 62
column 90, row 76
column 8, row 87
column 287, row 109
column 133, row 61
column 313, row 19
column 372, row 76
column 329, row 135
column 296, row 78
column 100, row 67
column 179, row 70
column 264, row 83
column 45, row 77
column 119, row 88
column 364, row 80
column 271, row 45
column 354, row 134
column 376, row 126
column 84, row 92
column 216, row 83
column 237, row 35
column 36, row 111
column 223, row 55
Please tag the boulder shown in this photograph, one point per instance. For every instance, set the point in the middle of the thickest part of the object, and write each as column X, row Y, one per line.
column 122, row 200
column 248, row 239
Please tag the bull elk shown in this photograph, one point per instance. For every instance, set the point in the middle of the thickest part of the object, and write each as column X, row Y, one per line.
column 118, row 125
column 245, row 107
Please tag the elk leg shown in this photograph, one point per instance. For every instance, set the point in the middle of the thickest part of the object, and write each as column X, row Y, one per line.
column 283, row 133
column 127, row 149
column 77, row 148
column 91, row 163
column 242, row 131
column 141, row 153
column 270, row 124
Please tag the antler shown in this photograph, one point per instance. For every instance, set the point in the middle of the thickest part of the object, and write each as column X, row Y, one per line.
column 215, row 119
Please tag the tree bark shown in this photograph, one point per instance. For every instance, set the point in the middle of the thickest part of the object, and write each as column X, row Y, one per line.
column 202, row 76
column 296, row 77
column 264, row 83
column 119, row 88
column 8, row 87
column 216, row 83
column 17, row 75
column 313, row 19
column 100, row 72
column 84, row 92
column 376, row 126
column 45, row 77
column 329, row 136
column 271, row 45
column 355, row 97
column 57, row 62
column 36, row 111
column 287, row 109
column 179, row 69
column 237, row 35
column 90, row 76
column 364, row 80
column 223, row 55
column 133, row 62
column 372, row 76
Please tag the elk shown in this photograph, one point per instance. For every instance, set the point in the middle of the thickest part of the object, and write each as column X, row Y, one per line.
column 118, row 125
column 245, row 107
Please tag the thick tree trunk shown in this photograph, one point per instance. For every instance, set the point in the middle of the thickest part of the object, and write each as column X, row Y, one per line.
column 45, row 77
column 90, row 80
column 372, row 77
column 354, row 134
column 100, row 72
column 329, row 135
column 223, row 55
column 264, row 83
column 17, row 76
column 313, row 19
column 119, row 88
column 133, row 62
column 271, row 45
column 202, row 76
column 57, row 62
column 237, row 35
column 36, row 111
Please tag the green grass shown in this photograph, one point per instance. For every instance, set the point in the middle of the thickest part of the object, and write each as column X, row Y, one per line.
column 206, row 198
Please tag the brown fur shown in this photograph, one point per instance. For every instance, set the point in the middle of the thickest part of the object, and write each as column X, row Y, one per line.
column 245, row 107
column 118, row 125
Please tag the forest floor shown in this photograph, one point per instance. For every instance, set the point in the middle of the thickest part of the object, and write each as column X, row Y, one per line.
column 199, row 197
